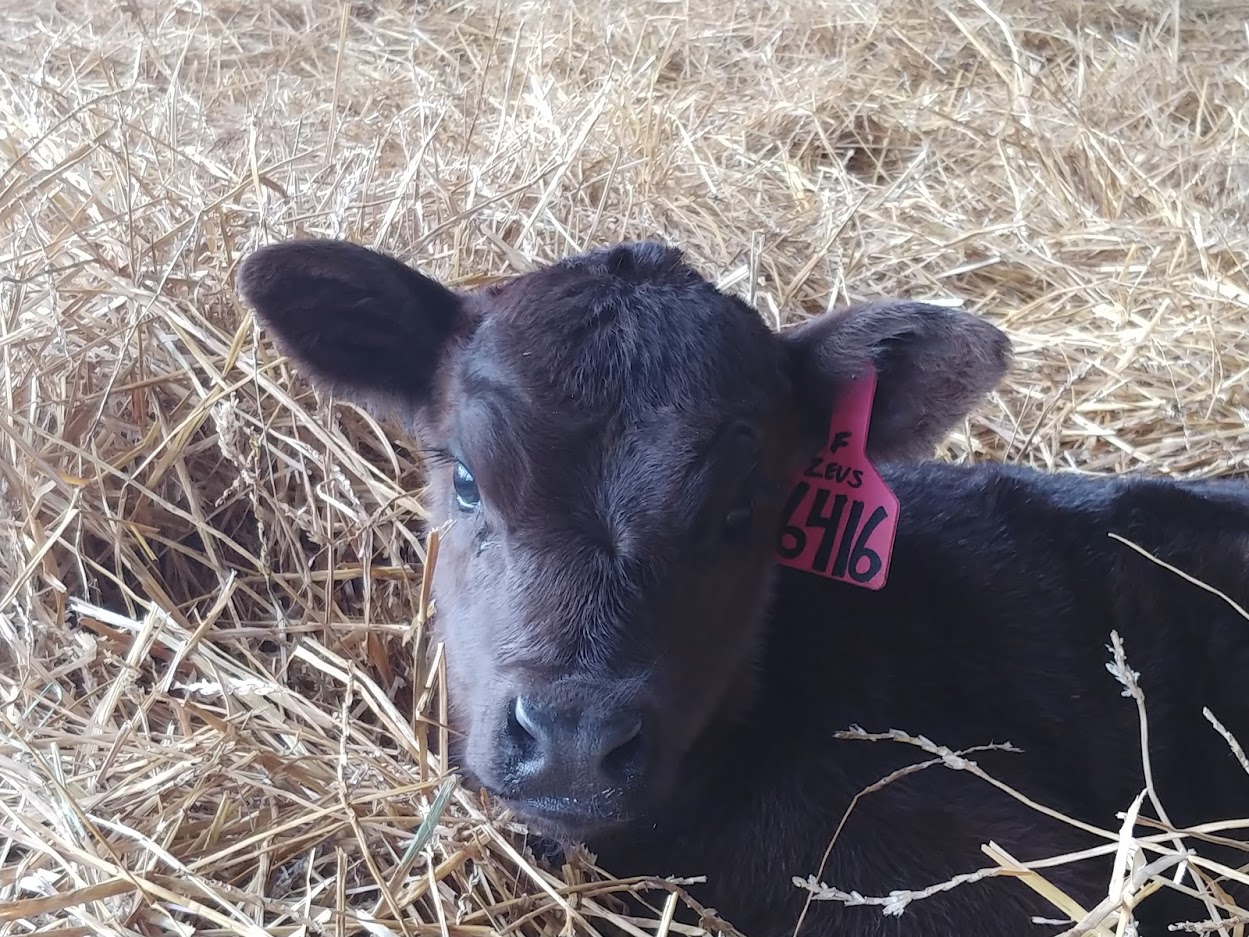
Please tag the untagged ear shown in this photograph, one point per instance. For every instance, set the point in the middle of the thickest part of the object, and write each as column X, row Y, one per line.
column 357, row 322
column 933, row 365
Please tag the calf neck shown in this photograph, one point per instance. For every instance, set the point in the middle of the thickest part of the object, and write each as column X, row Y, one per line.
column 612, row 442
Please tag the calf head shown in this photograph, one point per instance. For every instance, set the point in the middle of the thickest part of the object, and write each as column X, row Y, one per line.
column 611, row 440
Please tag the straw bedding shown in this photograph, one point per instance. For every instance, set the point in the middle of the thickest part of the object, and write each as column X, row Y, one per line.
column 216, row 715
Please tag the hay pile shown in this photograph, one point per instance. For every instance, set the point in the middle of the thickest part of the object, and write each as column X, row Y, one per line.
column 213, row 712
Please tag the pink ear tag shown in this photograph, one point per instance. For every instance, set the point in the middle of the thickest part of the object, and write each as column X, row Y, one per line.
column 841, row 517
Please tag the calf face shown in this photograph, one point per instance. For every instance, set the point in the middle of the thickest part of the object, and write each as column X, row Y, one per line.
column 611, row 440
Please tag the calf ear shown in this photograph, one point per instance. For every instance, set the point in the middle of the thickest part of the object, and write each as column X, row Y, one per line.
column 357, row 322
column 933, row 365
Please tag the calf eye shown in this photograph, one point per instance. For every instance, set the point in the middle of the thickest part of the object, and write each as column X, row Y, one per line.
column 737, row 519
column 466, row 493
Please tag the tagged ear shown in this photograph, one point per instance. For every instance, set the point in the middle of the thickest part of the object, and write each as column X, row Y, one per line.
column 933, row 364
column 355, row 321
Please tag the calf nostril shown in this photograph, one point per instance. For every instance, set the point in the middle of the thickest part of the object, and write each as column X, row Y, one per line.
column 523, row 719
column 629, row 733
column 623, row 749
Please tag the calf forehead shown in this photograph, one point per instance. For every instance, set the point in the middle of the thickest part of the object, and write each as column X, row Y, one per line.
column 628, row 330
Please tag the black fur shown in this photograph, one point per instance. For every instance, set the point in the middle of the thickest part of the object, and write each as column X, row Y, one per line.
column 993, row 627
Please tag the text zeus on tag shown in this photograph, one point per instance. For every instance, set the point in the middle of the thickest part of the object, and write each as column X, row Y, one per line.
column 845, row 547
column 847, row 475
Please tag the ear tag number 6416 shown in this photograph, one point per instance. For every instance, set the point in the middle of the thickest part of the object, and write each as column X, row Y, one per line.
column 840, row 518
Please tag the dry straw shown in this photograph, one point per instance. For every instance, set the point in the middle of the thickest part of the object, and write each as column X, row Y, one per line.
column 214, row 711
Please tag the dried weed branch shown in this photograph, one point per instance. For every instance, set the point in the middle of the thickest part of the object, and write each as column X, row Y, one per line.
column 1132, row 879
